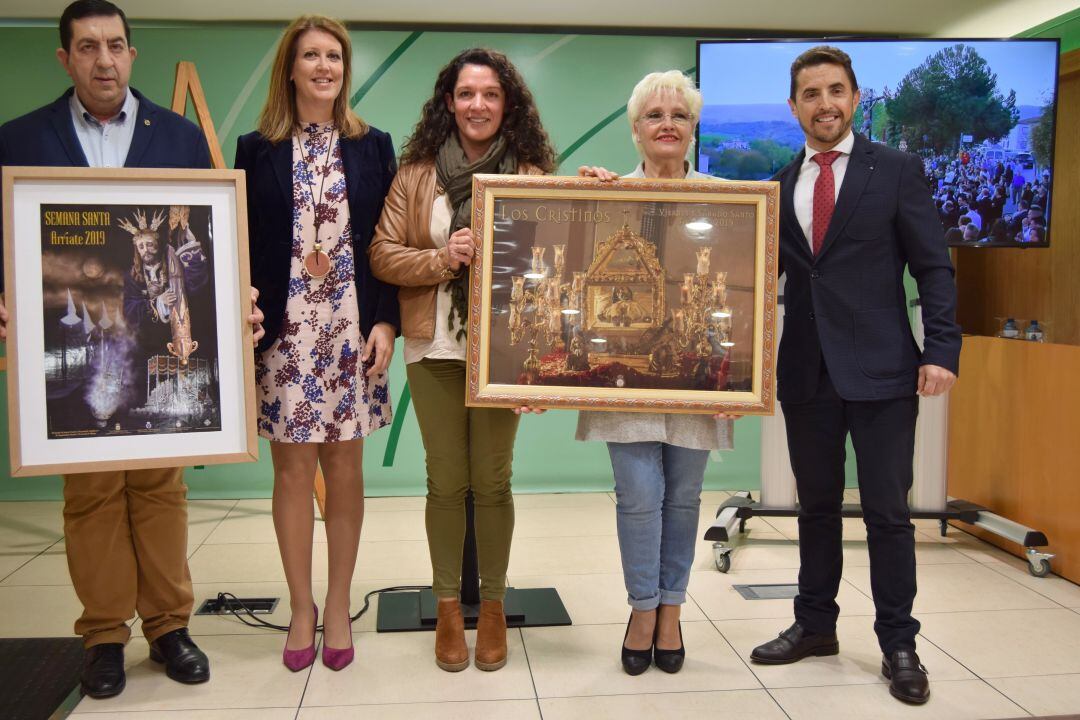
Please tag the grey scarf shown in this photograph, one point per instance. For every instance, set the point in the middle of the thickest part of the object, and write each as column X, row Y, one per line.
column 454, row 173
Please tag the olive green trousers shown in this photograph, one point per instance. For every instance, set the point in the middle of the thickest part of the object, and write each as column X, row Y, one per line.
column 467, row 449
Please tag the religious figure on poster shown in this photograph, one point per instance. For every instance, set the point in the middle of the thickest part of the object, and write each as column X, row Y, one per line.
column 157, row 287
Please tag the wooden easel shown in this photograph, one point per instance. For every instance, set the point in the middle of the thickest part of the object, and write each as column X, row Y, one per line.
column 187, row 82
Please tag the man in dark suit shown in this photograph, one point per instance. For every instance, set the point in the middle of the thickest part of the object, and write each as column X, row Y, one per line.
column 126, row 531
column 854, row 214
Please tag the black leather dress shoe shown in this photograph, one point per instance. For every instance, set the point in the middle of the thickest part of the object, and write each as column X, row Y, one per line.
column 670, row 661
column 184, row 661
column 794, row 644
column 907, row 676
column 103, row 670
column 635, row 662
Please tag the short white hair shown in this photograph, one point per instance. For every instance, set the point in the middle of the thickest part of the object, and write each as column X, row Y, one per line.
column 658, row 83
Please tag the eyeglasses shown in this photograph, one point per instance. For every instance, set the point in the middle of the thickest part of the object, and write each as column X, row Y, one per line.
column 656, row 117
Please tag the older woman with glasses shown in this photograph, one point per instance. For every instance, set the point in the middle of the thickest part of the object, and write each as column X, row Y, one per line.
column 658, row 459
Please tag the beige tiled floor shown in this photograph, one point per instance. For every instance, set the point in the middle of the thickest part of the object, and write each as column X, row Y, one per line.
column 962, row 587
column 950, row 700
column 1009, row 643
column 458, row 710
column 998, row 642
column 49, row 567
column 754, row 704
column 715, row 594
column 576, row 661
column 393, row 667
column 1046, row 695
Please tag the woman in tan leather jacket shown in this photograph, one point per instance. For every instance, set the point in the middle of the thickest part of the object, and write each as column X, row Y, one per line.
column 481, row 118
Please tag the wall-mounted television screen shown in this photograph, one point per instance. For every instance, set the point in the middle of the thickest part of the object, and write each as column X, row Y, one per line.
column 980, row 114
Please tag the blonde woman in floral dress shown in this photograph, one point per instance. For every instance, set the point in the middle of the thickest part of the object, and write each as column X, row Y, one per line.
column 317, row 176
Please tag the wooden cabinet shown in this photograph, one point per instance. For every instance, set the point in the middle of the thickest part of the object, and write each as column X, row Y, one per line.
column 1014, row 440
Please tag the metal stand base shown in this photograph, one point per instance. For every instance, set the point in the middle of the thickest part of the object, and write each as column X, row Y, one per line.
column 532, row 607
column 410, row 611
column 733, row 513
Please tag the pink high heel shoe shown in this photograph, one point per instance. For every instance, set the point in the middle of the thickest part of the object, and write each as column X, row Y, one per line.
column 297, row 660
column 336, row 659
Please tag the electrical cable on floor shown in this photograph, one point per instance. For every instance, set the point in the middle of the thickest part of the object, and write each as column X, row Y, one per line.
column 223, row 597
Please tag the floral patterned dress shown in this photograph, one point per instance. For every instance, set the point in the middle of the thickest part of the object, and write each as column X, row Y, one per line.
column 312, row 386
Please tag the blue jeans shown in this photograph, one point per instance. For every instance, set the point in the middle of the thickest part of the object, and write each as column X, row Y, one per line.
column 657, row 493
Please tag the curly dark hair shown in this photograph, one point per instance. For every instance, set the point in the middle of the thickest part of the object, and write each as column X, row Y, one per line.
column 520, row 124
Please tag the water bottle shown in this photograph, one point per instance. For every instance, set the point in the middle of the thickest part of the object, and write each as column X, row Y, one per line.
column 1010, row 329
column 1033, row 332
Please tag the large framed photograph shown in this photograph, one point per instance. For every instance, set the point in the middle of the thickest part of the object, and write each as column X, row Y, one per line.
column 128, row 341
column 646, row 295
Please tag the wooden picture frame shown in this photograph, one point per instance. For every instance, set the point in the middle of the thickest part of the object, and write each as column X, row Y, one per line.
column 128, row 342
column 639, row 294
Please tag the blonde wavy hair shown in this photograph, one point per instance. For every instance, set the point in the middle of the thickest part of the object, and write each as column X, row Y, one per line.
column 278, row 121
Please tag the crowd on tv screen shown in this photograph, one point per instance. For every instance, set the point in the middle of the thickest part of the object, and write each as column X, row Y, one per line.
column 985, row 195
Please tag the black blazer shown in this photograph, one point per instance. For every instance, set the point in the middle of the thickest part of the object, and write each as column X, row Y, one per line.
column 847, row 305
column 46, row 136
column 370, row 167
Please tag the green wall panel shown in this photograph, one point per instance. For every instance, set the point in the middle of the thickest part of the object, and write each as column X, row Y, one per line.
column 1066, row 27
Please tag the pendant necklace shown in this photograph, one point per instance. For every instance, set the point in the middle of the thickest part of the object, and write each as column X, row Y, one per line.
column 317, row 262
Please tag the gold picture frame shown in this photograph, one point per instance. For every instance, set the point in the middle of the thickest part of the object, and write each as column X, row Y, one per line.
column 639, row 294
column 128, row 342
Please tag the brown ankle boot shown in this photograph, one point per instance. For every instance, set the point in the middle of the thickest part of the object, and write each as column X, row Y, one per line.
column 491, row 636
column 451, row 652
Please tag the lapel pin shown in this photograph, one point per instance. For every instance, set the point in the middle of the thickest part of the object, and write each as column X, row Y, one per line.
column 146, row 121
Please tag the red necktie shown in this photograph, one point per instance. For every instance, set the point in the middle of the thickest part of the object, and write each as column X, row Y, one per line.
column 824, row 197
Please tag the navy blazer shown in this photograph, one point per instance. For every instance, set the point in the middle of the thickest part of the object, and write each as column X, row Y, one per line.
column 46, row 136
column 847, row 305
column 370, row 167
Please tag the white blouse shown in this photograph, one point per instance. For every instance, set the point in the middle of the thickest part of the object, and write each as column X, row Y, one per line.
column 444, row 345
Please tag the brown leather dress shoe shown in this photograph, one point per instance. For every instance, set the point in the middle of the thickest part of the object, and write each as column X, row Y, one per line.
column 491, row 635
column 907, row 677
column 451, row 652
column 794, row 644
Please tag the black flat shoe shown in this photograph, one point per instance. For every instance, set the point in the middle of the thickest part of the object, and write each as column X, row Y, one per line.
column 670, row 661
column 184, row 661
column 907, row 677
column 635, row 662
column 103, row 670
column 794, row 644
